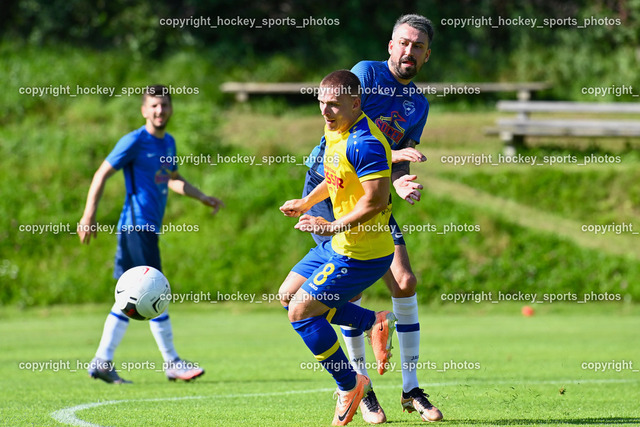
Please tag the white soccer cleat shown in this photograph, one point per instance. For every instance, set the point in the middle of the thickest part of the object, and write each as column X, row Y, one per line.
column 371, row 410
column 179, row 369
column 416, row 400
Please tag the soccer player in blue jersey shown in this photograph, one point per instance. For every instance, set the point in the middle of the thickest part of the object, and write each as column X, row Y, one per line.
column 393, row 102
column 145, row 156
column 357, row 169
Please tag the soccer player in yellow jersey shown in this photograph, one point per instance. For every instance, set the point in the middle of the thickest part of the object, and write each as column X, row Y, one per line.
column 392, row 101
column 357, row 179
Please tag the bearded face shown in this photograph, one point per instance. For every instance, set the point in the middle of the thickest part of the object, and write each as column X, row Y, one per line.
column 408, row 51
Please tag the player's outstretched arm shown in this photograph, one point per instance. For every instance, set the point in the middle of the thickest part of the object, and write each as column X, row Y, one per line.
column 403, row 182
column 181, row 186
column 296, row 207
column 408, row 154
column 374, row 200
column 87, row 224
column 407, row 188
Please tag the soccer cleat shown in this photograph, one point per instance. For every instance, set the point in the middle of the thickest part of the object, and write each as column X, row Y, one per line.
column 104, row 370
column 179, row 369
column 371, row 410
column 348, row 401
column 380, row 336
column 416, row 400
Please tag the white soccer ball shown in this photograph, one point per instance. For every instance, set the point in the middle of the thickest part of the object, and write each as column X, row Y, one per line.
column 142, row 293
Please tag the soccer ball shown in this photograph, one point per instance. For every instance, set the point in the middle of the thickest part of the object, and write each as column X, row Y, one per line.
column 142, row 293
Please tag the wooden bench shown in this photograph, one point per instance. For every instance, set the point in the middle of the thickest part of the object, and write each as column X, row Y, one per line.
column 523, row 90
column 514, row 130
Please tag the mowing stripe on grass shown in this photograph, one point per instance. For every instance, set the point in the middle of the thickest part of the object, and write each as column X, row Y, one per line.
column 534, row 219
column 68, row 415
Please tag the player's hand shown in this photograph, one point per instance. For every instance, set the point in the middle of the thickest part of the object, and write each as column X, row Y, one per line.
column 86, row 228
column 213, row 202
column 407, row 189
column 408, row 154
column 316, row 225
column 294, row 208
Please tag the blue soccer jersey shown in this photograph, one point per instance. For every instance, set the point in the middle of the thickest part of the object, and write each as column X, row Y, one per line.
column 398, row 110
column 147, row 165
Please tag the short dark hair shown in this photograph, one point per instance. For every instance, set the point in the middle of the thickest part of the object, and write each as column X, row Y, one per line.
column 155, row 91
column 347, row 82
column 418, row 22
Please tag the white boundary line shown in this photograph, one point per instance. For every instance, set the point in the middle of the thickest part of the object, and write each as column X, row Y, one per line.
column 68, row 415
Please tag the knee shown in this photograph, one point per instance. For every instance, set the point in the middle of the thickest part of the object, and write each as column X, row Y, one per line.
column 407, row 283
column 284, row 294
column 296, row 313
column 284, row 298
column 289, row 288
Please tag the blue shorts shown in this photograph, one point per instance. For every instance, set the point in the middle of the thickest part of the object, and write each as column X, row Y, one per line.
column 136, row 248
column 325, row 210
column 334, row 279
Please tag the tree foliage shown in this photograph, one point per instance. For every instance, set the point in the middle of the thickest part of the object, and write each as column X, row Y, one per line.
column 566, row 55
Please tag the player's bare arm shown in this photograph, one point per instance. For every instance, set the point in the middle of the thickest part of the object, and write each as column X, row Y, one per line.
column 296, row 207
column 178, row 184
column 374, row 201
column 86, row 227
column 403, row 182
column 408, row 154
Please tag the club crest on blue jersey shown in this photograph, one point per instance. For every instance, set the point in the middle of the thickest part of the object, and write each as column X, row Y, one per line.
column 409, row 107
column 163, row 174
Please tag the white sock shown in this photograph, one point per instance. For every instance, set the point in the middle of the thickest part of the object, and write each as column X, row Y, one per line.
column 408, row 330
column 162, row 332
column 355, row 346
column 114, row 328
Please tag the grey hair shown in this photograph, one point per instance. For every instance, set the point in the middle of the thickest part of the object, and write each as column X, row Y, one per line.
column 418, row 22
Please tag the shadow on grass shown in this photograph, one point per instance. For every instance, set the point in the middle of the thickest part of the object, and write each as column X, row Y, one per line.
column 215, row 381
column 566, row 421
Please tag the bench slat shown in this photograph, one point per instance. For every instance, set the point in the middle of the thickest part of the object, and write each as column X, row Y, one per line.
column 564, row 128
column 567, row 132
column 567, row 107
column 264, row 88
column 594, row 124
column 231, row 87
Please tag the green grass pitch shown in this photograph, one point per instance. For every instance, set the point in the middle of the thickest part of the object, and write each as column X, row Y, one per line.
column 503, row 368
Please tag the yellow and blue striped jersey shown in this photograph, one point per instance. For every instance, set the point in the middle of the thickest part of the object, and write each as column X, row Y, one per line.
column 358, row 154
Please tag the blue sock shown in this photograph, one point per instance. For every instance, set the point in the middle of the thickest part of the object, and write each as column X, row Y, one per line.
column 319, row 336
column 352, row 315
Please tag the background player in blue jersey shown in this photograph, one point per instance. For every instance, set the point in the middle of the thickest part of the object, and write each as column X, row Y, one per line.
column 145, row 156
column 393, row 102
